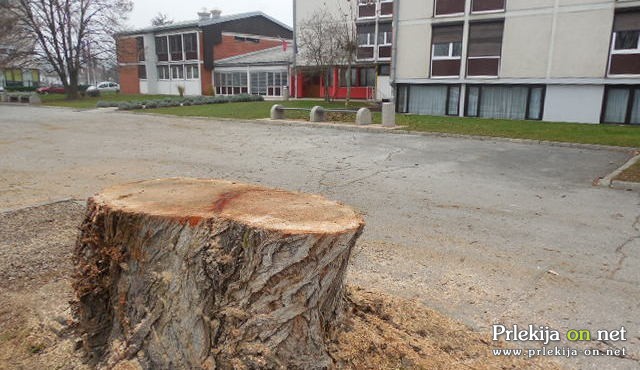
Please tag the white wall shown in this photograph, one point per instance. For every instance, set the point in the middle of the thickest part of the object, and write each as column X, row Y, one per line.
column 170, row 87
column 573, row 103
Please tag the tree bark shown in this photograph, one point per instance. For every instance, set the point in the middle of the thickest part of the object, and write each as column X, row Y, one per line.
column 185, row 273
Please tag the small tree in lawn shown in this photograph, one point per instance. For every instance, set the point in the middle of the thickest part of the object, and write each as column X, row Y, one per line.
column 320, row 47
column 347, row 36
column 63, row 30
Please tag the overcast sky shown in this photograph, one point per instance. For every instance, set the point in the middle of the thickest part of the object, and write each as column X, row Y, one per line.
column 184, row 10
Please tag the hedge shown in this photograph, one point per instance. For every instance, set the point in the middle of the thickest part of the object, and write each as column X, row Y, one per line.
column 178, row 102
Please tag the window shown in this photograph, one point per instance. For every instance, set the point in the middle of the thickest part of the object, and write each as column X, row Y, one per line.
column 231, row 83
column 622, row 105
column 162, row 50
column 384, row 70
column 505, row 102
column 177, row 72
column 142, row 72
column 163, row 72
column 140, row 48
column 191, row 46
column 175, row 47
column 449, row 7
column 366, row 8
column 625, row 46
column 386, row 8
column 366, row 35
column 627, row 40
column 479, row 6
column 192, row 71
column 446, row 51
column 367, row 77
column 268, row 83
column 485, row 47
column 247, row 39
column 433, row 100
column 385, row 34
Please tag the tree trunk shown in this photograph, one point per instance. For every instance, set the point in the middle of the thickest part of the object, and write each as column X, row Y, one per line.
column 185, row 273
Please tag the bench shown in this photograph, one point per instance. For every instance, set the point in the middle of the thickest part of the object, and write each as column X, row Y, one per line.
column 27, row 98
column 318, row 113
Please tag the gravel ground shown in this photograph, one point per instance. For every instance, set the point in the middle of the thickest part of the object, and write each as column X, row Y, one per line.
column 483, row 231
column 37, row 325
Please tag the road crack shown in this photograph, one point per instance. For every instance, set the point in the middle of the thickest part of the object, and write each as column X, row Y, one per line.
column 621, row 249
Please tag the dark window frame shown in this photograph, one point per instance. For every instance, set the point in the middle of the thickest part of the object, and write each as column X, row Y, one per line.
column 140, row 48
column 407, row 99
column 142, row 71
column 632, row 95
column 529, row 87
column 501, row 10
column 164, row 55
column 435, row 11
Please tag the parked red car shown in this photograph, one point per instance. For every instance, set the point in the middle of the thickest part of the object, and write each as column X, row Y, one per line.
column 55, row 89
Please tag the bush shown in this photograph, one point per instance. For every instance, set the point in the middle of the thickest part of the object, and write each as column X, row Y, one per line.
column 20, row 88
column 93, row 93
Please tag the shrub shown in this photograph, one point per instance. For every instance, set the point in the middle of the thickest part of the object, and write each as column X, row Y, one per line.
column 93, row 93
column 123, row 106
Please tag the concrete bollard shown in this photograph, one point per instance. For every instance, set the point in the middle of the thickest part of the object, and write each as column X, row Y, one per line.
column 363, row 116
column 35, row 99
column 3, row 98
column 317, row 114
column 277, row 112
column 388, row 115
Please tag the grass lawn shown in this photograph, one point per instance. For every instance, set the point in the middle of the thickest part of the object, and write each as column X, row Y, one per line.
column 631, row 174
column 251, row 110
column 616, row 135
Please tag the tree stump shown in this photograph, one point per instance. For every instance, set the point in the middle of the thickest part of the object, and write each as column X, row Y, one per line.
column 191, row 273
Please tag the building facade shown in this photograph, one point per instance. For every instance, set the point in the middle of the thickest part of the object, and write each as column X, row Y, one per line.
column 164, row 59
column 371, row 21
column 551, row 60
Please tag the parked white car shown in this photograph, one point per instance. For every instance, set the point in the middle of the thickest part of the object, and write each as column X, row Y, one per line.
column 105, row 87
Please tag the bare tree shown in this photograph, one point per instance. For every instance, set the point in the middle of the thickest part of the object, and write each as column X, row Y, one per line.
column 347, row 36
column 65, row 29
column 320, row 48
column 161, row 19
column 14, row 46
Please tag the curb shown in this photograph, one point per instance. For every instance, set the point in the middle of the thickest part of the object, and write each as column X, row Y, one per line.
column 377, row 128
column 609, row 180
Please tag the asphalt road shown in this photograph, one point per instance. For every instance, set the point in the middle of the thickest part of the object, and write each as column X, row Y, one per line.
column 485, row 231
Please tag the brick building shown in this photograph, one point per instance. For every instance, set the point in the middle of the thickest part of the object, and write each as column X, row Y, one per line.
column 158, row 60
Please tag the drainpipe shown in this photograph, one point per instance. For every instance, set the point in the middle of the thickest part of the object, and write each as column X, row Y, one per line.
column 394, row 48
column 295, row 54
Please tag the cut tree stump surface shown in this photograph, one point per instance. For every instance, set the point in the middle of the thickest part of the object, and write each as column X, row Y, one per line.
column 193, row 273
column 193, row 200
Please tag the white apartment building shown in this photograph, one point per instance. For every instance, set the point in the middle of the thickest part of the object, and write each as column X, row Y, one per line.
column 551, row 60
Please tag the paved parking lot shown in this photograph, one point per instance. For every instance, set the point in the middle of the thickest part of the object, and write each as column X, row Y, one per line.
column 485, row 231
